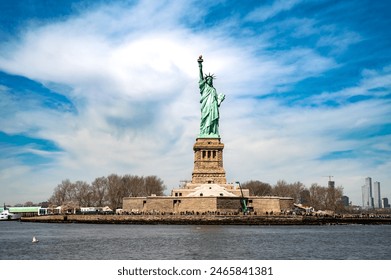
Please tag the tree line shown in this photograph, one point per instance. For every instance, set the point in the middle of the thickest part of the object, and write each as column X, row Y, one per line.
column 110, row 191
column 316, row 196
column 106, row 191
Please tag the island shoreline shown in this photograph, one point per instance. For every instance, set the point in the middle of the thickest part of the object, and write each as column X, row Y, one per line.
column 207, row 220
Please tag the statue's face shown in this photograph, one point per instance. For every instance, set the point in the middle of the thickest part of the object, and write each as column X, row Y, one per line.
column 209, row 81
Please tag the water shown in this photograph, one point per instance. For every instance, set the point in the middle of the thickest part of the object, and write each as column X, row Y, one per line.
column 189, row 242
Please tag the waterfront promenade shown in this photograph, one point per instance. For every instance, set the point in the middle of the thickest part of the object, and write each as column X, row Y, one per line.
column 210, row 219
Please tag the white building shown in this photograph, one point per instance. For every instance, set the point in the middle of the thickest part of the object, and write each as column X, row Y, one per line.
column 367, row 198
column 377, row 202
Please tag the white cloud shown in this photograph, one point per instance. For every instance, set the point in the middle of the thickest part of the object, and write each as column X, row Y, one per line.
column 133, row 83
column 291, row 150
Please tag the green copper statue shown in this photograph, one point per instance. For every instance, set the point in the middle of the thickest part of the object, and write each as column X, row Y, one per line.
column 210, row 103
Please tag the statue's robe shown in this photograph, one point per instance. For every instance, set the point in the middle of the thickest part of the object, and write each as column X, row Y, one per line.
column 210, row 102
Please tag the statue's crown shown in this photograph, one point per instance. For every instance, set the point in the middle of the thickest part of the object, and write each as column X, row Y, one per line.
column 210, row 76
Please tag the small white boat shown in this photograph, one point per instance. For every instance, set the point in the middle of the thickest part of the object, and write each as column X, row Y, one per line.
column 35, row 240
column 6, row 215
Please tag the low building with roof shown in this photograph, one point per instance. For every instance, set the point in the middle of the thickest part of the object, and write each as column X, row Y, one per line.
column 27, row 211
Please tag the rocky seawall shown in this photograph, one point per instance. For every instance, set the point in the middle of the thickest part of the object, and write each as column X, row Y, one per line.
column 207, row 220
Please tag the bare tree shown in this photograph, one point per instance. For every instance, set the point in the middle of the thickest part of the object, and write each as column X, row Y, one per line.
column 115, row 191
column 284, row 189
column 61, row 193
column 99, row 188
column 134, row 186
column 318, row 196
column 70, row 192
column 28, row 204
column 281, row 189
column 333, row 198
column 153, row 185
column 83, row 193
column 258, row 188
column 295, row 190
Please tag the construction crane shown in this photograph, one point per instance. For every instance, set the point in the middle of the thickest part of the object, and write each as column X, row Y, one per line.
column 330, row 176
column 243, row 203
column 183, row 182
column 330, row 183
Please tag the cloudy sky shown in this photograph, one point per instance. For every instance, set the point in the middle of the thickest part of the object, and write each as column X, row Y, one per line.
column 90, row 88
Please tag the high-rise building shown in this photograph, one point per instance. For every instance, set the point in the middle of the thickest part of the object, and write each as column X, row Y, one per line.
column 331, row 192
column 367, row 198
column 345, row 200
column 385, row 202
column 377, row 203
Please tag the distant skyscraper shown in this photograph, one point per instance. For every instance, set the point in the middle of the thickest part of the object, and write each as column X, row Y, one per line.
column 331, row 193
column 367, row 198
column 345, row 200
column 385, row 203
column 377, row 203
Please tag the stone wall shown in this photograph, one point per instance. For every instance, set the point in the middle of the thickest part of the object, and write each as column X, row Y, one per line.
column 133, row 204
column 286, row 203
column 197, row 204
column 159, row 204
column 265, row 204
column 180, row 204
column 170, row 204
column 228, row 204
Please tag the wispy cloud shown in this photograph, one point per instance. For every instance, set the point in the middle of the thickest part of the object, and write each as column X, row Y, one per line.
column 373, row 85
column 266, row 12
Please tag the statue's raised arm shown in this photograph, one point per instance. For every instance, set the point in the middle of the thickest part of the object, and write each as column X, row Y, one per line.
column 210, row 103
column 200, row 60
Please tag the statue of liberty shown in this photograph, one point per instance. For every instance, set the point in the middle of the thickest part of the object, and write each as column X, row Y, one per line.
column 210, row 103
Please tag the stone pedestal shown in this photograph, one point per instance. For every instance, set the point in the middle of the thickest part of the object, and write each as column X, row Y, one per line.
column 208, row 162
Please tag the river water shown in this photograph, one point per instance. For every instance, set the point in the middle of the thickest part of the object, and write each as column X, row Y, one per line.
column 190, row 242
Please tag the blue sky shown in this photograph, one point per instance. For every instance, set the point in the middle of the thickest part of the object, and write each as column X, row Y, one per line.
column 90, row 88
